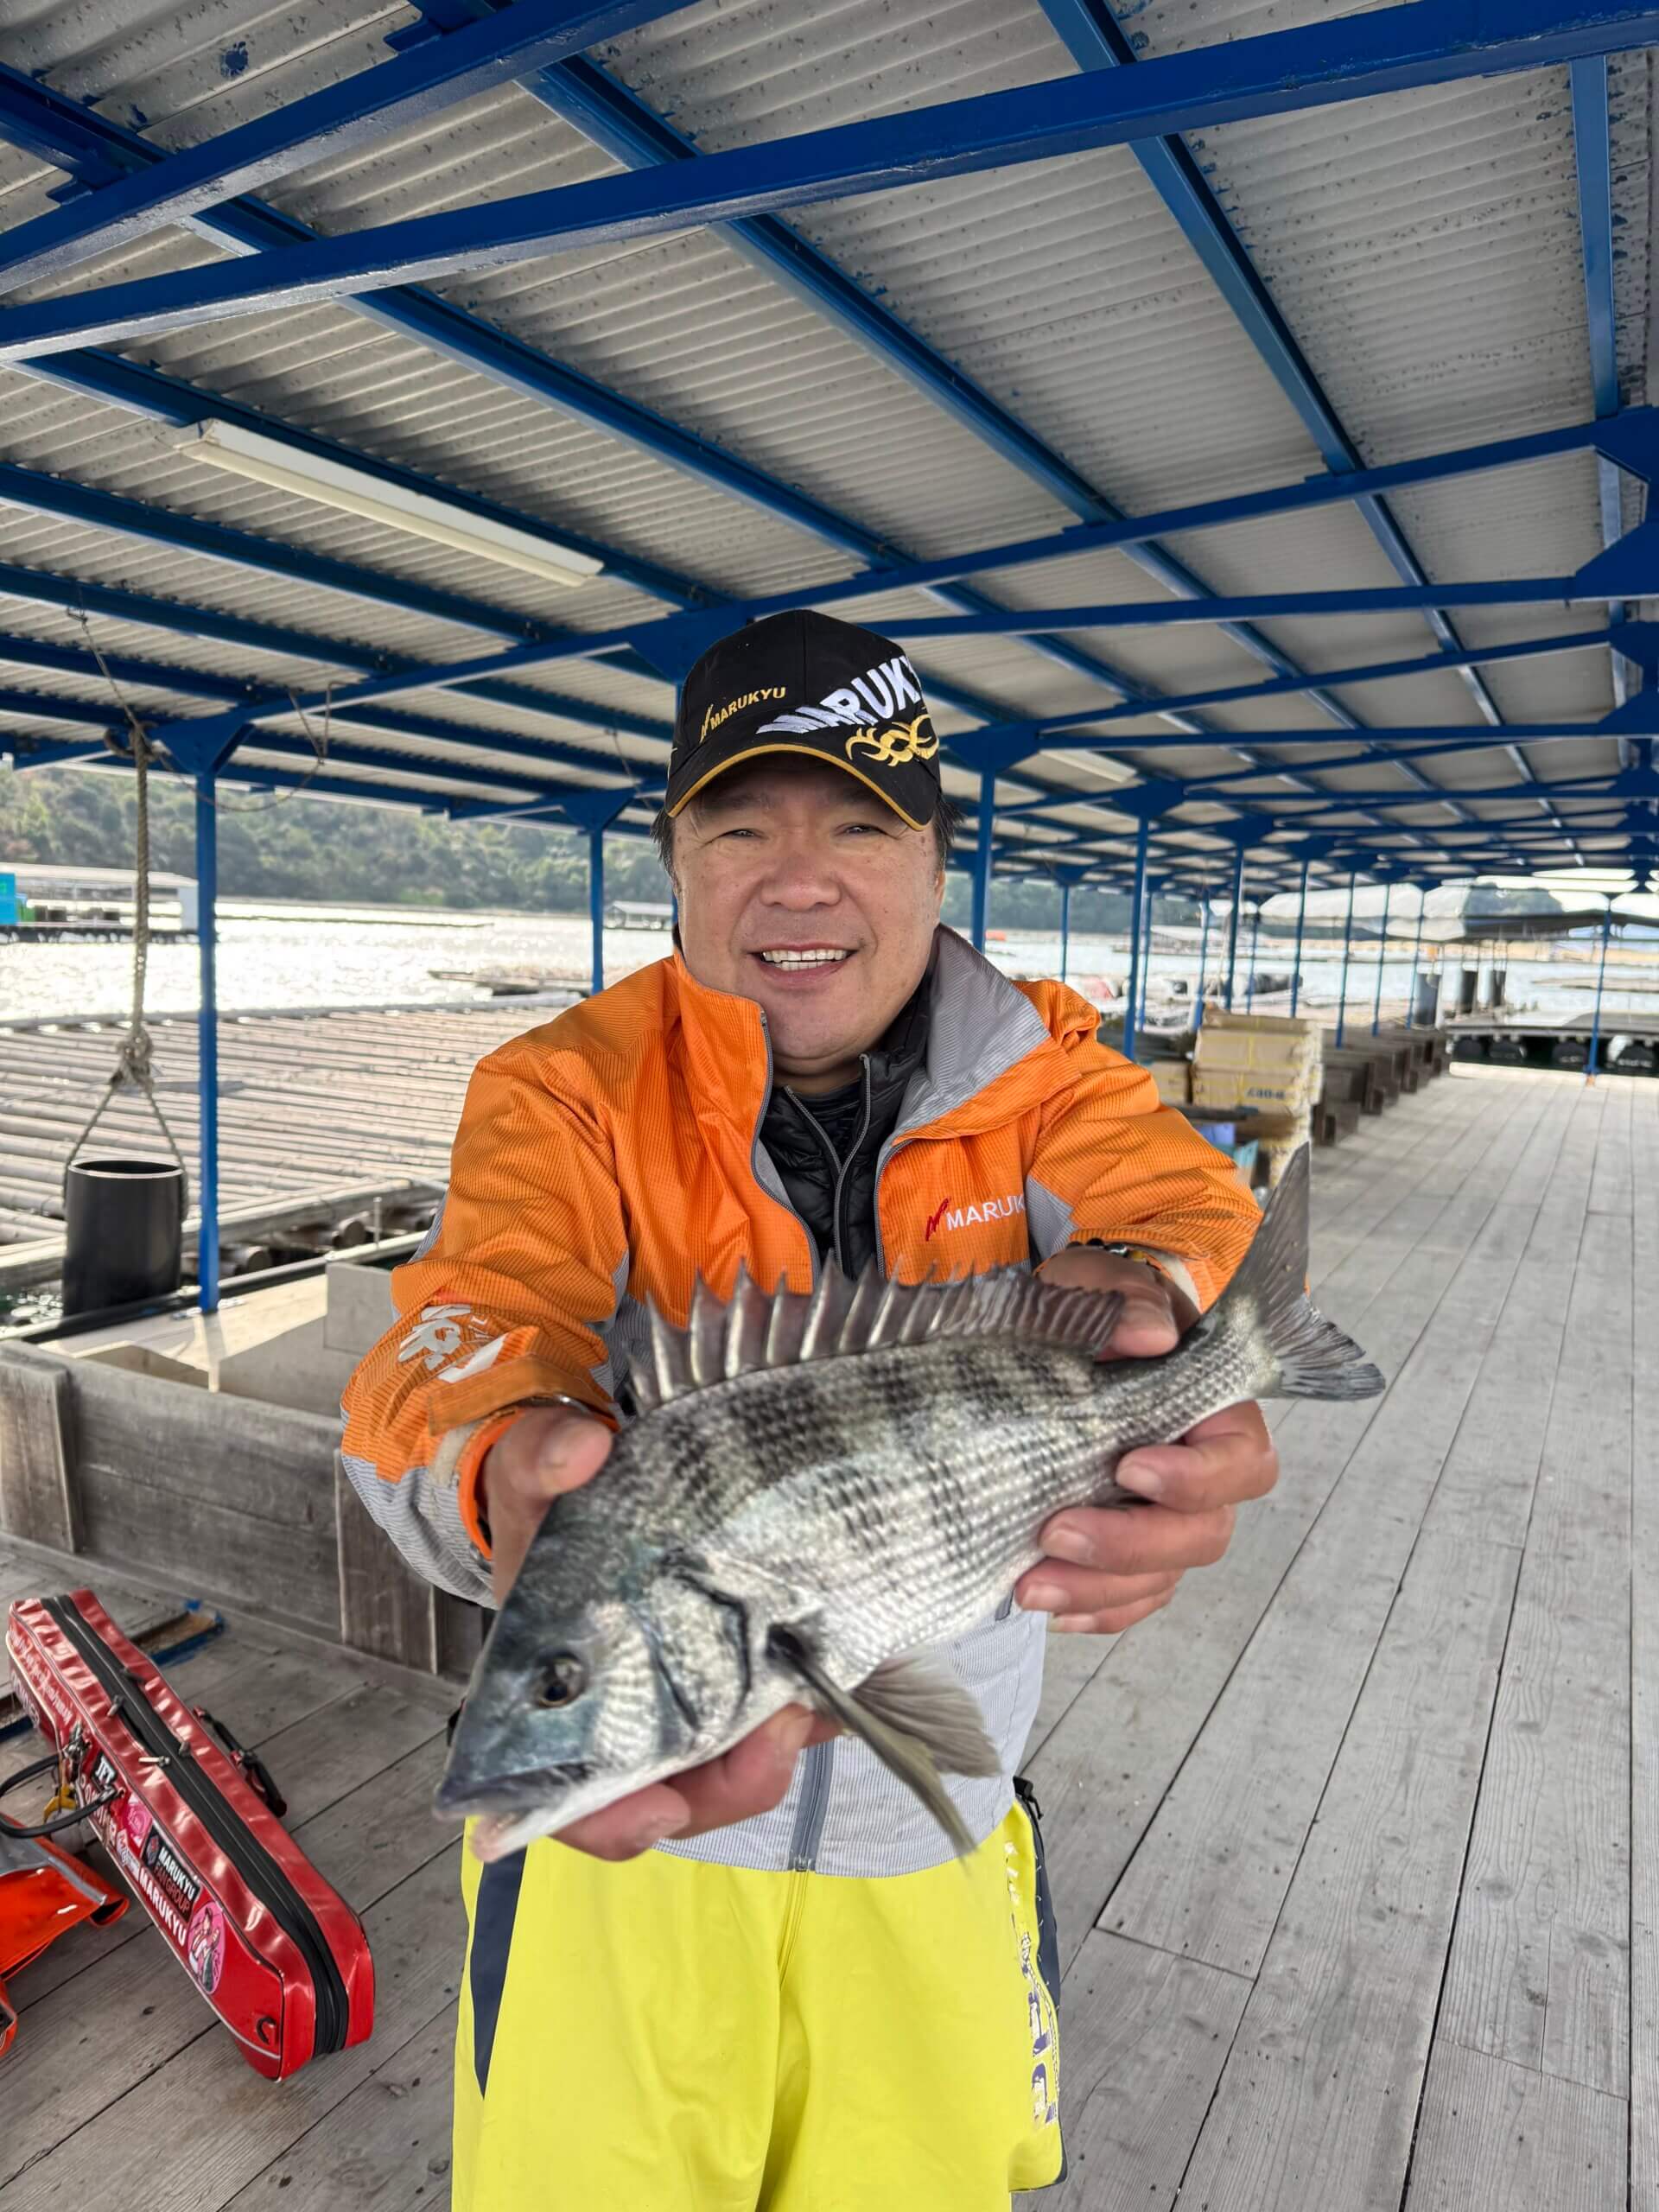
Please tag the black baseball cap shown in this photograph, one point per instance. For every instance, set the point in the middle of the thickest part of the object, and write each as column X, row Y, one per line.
column 803, row 683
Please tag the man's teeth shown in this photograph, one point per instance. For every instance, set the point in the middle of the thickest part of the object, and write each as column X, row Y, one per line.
column 824, row 958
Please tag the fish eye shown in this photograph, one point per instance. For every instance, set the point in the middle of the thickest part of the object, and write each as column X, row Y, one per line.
column 563, row 1678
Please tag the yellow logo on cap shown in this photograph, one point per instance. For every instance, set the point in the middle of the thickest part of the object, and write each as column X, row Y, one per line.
column 899, row 744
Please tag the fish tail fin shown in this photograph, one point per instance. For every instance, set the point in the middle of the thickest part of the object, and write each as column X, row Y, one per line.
column 1302, row 1355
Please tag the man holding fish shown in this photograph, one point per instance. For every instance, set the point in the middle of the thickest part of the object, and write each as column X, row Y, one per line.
column 808, row 1962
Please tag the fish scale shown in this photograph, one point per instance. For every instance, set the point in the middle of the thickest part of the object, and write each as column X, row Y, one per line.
column 820, row 1491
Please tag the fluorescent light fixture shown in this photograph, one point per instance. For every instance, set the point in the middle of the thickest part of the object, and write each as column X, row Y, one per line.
column 353, row 491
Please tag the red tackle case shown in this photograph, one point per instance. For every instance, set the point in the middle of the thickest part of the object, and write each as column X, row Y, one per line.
column 190, row 1819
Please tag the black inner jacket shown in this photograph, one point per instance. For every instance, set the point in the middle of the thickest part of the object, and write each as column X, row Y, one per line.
column 826, row 1147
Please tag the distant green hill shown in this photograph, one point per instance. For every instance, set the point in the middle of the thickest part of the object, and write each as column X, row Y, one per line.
column 302, row 848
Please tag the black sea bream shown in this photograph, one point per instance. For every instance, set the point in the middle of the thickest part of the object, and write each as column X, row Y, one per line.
column 818, row 1491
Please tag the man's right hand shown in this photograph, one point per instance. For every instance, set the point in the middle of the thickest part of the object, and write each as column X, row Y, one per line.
column 552, row 1449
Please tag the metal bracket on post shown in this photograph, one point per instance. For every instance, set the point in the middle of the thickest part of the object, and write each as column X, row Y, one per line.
column 1629, row 570
column 1630, row 441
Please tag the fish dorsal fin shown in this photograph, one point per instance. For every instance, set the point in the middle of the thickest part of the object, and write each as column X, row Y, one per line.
column 753, row 1329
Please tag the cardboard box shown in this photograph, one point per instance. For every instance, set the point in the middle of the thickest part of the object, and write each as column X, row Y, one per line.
column 1262, row 1025
column 1173, row 1079
column 1257, row 1040
column 1290, row 1090
column 1237, row 1048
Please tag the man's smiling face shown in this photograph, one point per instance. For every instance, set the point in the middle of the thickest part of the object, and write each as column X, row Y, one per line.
column 802, row 890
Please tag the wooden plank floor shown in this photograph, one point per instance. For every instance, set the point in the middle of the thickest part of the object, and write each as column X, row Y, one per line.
column 1354, row 1848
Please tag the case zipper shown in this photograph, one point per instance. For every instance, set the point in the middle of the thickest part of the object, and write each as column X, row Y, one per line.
column 264, row 1877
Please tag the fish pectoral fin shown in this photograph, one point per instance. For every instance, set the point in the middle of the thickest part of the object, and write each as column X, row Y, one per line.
column 917, row 1700
column 890, row 1712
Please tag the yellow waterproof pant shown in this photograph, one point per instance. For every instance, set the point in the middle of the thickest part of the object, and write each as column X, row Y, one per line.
column 667, row 2036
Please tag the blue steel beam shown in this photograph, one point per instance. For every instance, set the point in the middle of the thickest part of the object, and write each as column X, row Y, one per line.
column 26, row 116
column 140, row 390
column 47, row 707
column 70, row 660
column 107, row 369
column 326, row 126
column 128, row 668
column 1096, row 40
column 56, row 495
column 1373, row 672
column 1552, row 590
column 1393, row 49
column 617, row 119
column 93, row 149
column 1579, row 588
column 1547, row 590
column 469, row 739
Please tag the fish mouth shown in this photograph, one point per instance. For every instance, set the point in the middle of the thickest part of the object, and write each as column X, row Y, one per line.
column 510, row 1794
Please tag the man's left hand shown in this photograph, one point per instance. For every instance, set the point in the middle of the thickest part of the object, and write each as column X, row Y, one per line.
column 1108, row 1567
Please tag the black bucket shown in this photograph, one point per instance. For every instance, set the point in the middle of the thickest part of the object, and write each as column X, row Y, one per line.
column 124, row 1231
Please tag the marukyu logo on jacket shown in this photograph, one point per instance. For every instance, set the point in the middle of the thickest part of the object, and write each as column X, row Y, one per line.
column 969, row 1216
column 881, row 695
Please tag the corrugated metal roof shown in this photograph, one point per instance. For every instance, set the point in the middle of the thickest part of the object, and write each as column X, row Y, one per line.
column 1424, row 249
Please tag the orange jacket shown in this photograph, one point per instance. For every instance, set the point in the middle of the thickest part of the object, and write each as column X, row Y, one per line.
column 606, row 1160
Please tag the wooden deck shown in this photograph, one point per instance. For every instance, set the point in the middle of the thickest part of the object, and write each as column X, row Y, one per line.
column 1354, row 1846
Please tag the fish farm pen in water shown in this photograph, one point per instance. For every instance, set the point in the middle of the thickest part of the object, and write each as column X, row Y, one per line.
column 1238, row 424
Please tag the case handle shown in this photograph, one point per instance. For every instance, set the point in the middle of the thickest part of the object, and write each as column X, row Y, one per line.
column 60, row 1820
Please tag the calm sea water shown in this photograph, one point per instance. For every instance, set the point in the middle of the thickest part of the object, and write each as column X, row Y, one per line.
column 295, row 957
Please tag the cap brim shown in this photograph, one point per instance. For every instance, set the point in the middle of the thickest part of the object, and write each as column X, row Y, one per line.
column 698, row 774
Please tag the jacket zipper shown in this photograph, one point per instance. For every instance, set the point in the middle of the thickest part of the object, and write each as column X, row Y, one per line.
column 841, row 1225
column 840, row 1168
column 264, row 1877
column 817, row 1767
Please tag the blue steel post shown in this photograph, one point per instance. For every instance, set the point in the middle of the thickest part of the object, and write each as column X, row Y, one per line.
column 1296, row 955
column 1382, row 955
column 1347, row 940
column 1601, row 977
column 1416, row 955
column 596, row 900
column 1145, row 955
column 207, row 1043
column 1065, row 926
column 1203, row 950
column 1137, row 901
column 1232, row 928
column 1255, row 943
column 982, row 856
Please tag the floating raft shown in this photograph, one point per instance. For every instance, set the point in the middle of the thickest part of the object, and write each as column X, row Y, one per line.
column 1629, row 1039
column 319, row 1112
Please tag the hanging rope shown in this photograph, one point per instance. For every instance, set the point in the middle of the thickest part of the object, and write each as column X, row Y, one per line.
column 133, row 1061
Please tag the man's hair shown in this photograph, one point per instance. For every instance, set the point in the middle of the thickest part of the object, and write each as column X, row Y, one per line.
column 947, row 822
